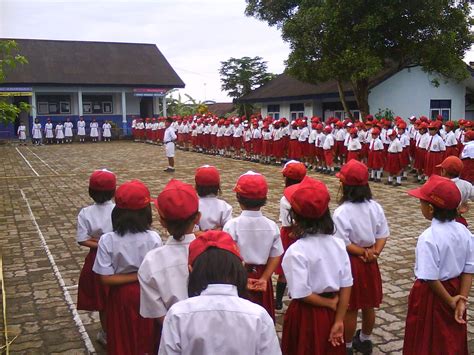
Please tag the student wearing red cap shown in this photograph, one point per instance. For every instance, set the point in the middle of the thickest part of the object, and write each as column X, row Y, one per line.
column 318, row 273
column 319, row 143
column 293, row 172
column 92, row 222
column 257, row 237
column 216, row 319
column 164, row 272
column 119, row 256
column 393, row 163
column 467, row 157
column 256, row 142
column 375, row 160
column 293, row 142
column 422, row 139
column 328, row 150
column 353, row 145
column 228, row 133
column 214, row 211
column 436, row 317
column 237, row 138
column 360, row 222
column 450, row 140
column 405, row 142
column 267, row 144
column 435, row 150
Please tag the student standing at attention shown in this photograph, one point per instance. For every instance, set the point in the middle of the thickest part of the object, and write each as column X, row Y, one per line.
column 444, row 264
column 360, row 222
column 257, row 237
column 168, row 140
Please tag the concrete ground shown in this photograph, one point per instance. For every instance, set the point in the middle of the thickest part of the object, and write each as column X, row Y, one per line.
column 43, row 188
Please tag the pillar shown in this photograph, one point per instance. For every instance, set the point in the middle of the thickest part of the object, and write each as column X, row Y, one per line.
column 164, row 106
column 79, row 103
column 124, row 114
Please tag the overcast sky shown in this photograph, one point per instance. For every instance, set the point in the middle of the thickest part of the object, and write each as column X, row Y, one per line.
column 194, row 35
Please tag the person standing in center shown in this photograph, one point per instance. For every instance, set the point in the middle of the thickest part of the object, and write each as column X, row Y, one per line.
column 168, row 140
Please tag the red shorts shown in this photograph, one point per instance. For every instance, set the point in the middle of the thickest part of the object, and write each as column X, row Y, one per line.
column 91, row 294
column 329, row 157
column 366, row 291
column 264, row 299
column 237, row 142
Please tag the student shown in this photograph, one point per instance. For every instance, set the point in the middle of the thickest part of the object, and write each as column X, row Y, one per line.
column 107, row 131
column 94, row 130
column 435, row 150
column 164, row 272
column 393, row 163
column 360, row 222
column 21, row 132
column 293, row 172
column 467, row 157
column 318, row 273
column 375, row 161
column 436, row 317
column 68, row 130
column 216, row 319
column 59, row 133
column 92, row 222
column 328, row 149
column 120, row 254
column 257, row 237
column 215, row 213
column 37, row 132
column 81, row 129
column 48, row 132
column 353, row 145
column 168, row 141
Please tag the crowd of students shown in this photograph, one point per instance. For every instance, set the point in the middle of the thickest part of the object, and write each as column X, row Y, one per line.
column 209, row 290
column 390, row 147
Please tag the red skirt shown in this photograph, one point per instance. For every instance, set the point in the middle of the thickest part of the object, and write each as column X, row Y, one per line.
column 366, row 290
column 467, row 172
column 412, row 148
column 339, row 148
column 248, row 147
column 328, row 157
column 206, row 141
column 353, row 154
column 405, row 157
column 286, row 240
column 227, row 142
column 194, row 141
column 376, row 159
column 319, row 154
column 306, row 330
column 433, row 159
column 220, row 142
column 311, row 150
column 127, row 331
column 91, row 293
column 148, row 134
column 264, row 299
column 213, row 141
column 237, row 142
column 292, row 149
column 134, row 133
column 452, row 150
column 161, row 134
column 430, row 325
column 420, row 155
column 267, row 148
column 393, row 165
column 180, row 138
column 257, row 146
column 364, row 153
column 278, row 149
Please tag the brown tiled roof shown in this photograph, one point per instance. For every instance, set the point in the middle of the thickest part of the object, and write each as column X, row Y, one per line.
column 92, row 63
column 221, row 108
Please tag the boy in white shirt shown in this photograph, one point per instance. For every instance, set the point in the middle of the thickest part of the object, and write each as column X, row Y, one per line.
column 168, row 141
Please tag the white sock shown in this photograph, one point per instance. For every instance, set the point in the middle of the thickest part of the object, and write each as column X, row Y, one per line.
column 389, row 179
column 349, row 345
column 364, row 337
column 399, row 181
column 372, row 174
column 379, row 174
column 405, row 174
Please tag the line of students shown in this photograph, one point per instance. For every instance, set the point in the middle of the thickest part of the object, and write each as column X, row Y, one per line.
column 141, row 287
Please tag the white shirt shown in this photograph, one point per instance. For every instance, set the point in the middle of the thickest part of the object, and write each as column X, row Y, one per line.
column 376, row 144
column 257, row 237
column 170, row 135
column 285, row 208
column 123, row 254
column 238, row 131
column 37, row 131
column 404, row 140
column 214, row 212
column 256, row 134
column 316, row 264
column 94, row 220
column 468, row 150
column 328, row 142
column 218, row 322
column 450, row 139
column 444, row 251
column 68, row 129
column 436, row 144
column 81, row 128
column 341, row 134
column 163, row 277
column 395, row 146
column 304, row 134
column 465, row 188
column 354, row 144
column 360, row 223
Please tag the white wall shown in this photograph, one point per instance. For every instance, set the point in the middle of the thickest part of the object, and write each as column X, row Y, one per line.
column 409, row 93
column 285, row 107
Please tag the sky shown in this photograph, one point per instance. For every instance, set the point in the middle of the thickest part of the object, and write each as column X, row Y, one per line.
column 194, row 35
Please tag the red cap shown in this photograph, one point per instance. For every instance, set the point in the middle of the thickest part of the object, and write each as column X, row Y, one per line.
column 102, row 180
column 376, row 131
column 393, row 133
column 177, row 201
column 212, row 239
column 132, row 195
column 353, row 131
column 449, row 124
column 327, row 129
column 294, row 170
column 433, row 125
column 319, row 126
column 423, row 125
column 439, row 191
column 310, row 198
column 469, row 135
column 402, row 125
column 452, row 164
column 252, row 185
column 354, row 173
column 207, row 175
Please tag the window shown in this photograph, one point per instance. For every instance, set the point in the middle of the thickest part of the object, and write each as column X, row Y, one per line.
column 356, row 114
column 97, row 104
column 340, row 114
column 273, row 111
column 53, row 104
column 296, row 110
column 440, row 108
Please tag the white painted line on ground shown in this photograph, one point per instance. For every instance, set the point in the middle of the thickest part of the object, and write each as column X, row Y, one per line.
column 36, row 155
column 26, row 161
column 62, row 284
column 72, row 287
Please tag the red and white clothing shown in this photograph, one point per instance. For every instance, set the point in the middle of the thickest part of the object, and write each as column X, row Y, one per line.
column 215, row 213
column 376, row 154
column 202, row 325
column 353, row 148
column 434, row 154
column 328, row 149
column 467, row 157
column 393, row 163
column 405, row 156
column 451, row 144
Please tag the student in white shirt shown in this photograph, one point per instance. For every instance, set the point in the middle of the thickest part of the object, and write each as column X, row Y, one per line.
column 37, row 132
column 59, row 132
column 21, row 132
column 443, row 268
column 215, row 213
column 92, row 222
column 81, row 129
column 393, row 163
column 318, row 273
column 48, row 132
column 328, row 150
column 168, row 140
column 360, row 222
column 257, row 237
column 216, row 319
column 107, row 131
column 68, row 130
column 94, row 133
column 467, row 157
column 119, row 256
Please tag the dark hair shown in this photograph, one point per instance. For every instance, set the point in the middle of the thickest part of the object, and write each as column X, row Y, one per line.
column 131, row 221
column 178, row 227
column 303, row 225
column 217, row 266
column 251, row 203
column 101, row 196
column 169, row 119
column 289, row 181
column 444, row 215
column 355, row 194
column 203, row 191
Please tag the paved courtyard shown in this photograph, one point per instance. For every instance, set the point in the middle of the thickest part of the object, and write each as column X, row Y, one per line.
column 43, row 188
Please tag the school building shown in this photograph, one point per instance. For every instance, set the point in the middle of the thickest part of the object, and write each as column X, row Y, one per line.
column 104, row 80
column 406, row 92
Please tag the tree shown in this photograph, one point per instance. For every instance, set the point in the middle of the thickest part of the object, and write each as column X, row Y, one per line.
column 8, row 61
column 239, row 76
column 352, row 41
column 177, row 107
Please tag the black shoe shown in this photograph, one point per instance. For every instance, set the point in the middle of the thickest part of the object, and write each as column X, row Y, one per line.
column 378, row 180
column 371, row 179
column 388, row 183
column 169, row 170
column 364, row 347
column 397, row 184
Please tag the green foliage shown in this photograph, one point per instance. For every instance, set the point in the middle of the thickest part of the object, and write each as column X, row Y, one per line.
column 351, row 41
column 176, row 106
column 9, row 60
column 239, row 76
column 386, row 113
